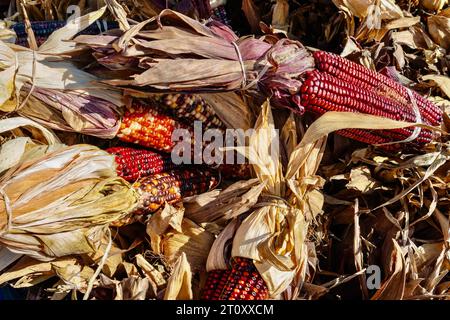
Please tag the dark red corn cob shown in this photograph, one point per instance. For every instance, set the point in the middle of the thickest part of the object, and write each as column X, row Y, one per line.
column 147, row 126
column 171, row 187
column 133, row 164
column 215, row 283
column 364, row 78
column 235, row 171
column 323, row 92
column 241, row 282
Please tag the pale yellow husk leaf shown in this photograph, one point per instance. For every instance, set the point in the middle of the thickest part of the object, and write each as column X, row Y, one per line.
column 62, row 202
column 179, row 286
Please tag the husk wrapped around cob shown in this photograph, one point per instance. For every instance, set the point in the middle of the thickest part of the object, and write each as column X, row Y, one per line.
column 41, row 85
column 274, row 233
column 62, row 202
column 176, row 52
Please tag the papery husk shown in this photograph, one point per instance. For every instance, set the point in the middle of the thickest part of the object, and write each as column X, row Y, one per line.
column 119, row 13
column 375, row 16
column 439, row 28
column 61, row 203
column 7, row 257
column 394, row 287
column 231, row 109
column 203, row 58
column 132, row 287
column 360, row 8
column 23, row 70
column 32, row 270
column 194, row 241
column 179, row 286
column 216, row 258
column 114, row 256
column 280, row 16
column 154, row 276
column 15, row 150
column 160, row 222
column 216, row 207
column 6, row 34
column 272, row 234
column 72, row 111
column 37, row 132
column 442, row 81
column 252, row 14
column 435, row 5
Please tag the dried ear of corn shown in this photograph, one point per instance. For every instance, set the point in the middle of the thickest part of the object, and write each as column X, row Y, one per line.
column 342, row 85
column 133, row 164
column 172, row 186
column 71, row 111
column 241, row 282
column 178, row 53
column 37, row 85
column 147, row 125
column 62, row 203
column 190, row 108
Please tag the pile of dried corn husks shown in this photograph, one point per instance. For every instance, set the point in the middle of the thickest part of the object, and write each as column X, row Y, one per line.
column 92, row 206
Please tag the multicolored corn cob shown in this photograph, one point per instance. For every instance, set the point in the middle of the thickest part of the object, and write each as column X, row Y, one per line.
column 133, row 164
column 241, row 282
column 220, row 13
column 190, row 108
column 148, row 126
column 171, row 187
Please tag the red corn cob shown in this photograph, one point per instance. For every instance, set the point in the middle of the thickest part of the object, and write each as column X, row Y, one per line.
column 171, row 187
column 215, row 283
column 133, row 164
column 148, row 127
column 364, row 78
column 241, row 282
column 322, row 92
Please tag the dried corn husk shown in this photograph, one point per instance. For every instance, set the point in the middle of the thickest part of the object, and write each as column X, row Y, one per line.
column 31, row 272
column 435, row 5
column 179, row 286
column 35, row 83
column 439, row 28
column 191, row 56
column 216, row 258
column 6, row 34
column 216, row 207
column 280, row 15
column 274, row 235
column 231, row 108
column 14, row 151
column 361, row 8
column 194, row 241
column 252, row 14
column 61, row 203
